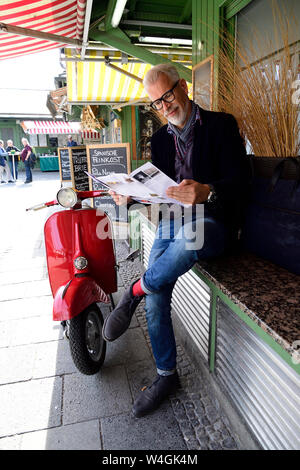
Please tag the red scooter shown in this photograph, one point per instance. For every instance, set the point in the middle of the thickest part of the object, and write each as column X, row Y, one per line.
column 82, row 273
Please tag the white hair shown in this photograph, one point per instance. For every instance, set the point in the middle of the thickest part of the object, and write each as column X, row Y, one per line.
column 153, row 74
column 24, row 138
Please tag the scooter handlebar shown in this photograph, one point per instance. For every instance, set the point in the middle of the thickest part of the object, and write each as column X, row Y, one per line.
column 42, row 206
column 88, row 194
column 80, row 194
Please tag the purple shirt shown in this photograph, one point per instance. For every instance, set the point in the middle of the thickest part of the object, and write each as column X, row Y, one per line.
column 184, row 153
column 24, row 152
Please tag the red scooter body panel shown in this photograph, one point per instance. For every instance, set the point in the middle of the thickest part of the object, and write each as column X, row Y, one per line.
column 62, row 247
column 72, row 299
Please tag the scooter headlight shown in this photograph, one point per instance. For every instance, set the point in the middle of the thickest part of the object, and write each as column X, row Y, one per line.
column 80, row 262
column 67, row 197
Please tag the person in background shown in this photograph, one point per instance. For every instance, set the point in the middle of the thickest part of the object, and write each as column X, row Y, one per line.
column 71, row 142
column 11, row 149
column 4, row 164
column 25, row 156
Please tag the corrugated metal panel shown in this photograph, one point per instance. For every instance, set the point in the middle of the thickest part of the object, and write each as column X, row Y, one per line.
column 190, row 300
column 147, row 241
column 263, row 387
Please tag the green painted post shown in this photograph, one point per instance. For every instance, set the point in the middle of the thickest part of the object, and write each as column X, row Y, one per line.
column 109, row 13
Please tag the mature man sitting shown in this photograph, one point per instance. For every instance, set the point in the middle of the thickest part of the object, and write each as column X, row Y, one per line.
column 203, row 152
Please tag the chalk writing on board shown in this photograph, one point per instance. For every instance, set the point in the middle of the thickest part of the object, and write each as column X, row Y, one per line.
column 64, row 162
column 78, row 168
column 104, row 160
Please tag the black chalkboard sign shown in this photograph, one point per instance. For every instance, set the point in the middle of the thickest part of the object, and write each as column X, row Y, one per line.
column 78, row 163
column 64, row 164
column 53, row 141
column 104, row 159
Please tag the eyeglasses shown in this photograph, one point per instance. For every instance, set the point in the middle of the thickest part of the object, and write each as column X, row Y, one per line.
column 167, row 97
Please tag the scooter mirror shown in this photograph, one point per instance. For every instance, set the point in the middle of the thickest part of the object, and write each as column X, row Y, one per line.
column 67, row 197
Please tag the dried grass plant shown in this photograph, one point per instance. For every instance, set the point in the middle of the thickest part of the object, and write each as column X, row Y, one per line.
column 259, row 93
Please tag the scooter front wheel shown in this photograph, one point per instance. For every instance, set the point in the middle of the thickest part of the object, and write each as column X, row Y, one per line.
column 87, row 346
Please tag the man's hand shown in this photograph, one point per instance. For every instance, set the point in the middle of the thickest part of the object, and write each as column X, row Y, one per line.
column 119, row 200
column 189, row 192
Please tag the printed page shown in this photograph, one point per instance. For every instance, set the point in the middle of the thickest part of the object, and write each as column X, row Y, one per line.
column 146, row 183
column 154, row 179
column 157, row 182
column 123, row 184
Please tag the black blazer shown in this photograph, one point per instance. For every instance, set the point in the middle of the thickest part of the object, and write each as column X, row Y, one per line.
column 219, row 158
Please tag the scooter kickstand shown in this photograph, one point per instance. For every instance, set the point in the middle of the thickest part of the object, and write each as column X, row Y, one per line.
column 65, row 329
column 132, row 256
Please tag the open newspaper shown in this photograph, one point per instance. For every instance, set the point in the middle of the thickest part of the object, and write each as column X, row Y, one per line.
column 145, row 184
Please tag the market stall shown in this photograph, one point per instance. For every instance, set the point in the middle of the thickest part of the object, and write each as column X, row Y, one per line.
column 49, row 163
column 47, row 136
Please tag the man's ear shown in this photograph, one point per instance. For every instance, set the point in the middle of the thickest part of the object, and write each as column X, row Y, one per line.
column 183, row 85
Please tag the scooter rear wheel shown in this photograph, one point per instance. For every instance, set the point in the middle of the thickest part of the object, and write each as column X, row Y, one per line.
column 87, row 346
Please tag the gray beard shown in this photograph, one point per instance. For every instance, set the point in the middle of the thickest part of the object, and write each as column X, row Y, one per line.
column 181, row 119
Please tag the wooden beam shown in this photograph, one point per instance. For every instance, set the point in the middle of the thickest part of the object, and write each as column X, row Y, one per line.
column 8, row 28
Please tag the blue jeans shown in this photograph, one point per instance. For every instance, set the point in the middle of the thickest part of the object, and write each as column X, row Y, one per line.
column 28, row 170
column 170, row 257
column 12, row 169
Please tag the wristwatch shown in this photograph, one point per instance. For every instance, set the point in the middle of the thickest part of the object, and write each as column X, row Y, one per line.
column 212, row 196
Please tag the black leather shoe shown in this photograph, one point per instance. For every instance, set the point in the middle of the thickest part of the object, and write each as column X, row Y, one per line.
column 151, row 397
column 119, row 319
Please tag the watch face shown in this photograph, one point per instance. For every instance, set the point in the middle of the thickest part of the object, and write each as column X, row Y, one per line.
column 212, row 194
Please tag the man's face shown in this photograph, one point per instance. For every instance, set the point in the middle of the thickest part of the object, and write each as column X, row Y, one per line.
column 177, row 112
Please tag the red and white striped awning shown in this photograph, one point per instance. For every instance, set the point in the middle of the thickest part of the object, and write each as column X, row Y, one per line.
column 60, row 17
column 51, row 127
column 91, row 135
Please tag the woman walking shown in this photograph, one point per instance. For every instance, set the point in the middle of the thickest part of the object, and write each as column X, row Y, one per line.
column 25, row 155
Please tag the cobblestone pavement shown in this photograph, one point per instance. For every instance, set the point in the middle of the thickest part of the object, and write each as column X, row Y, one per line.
column 199, row 417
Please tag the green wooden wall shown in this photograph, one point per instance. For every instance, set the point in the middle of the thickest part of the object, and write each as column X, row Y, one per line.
column 206, row 19
column 16, row 129
column 210, row 17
